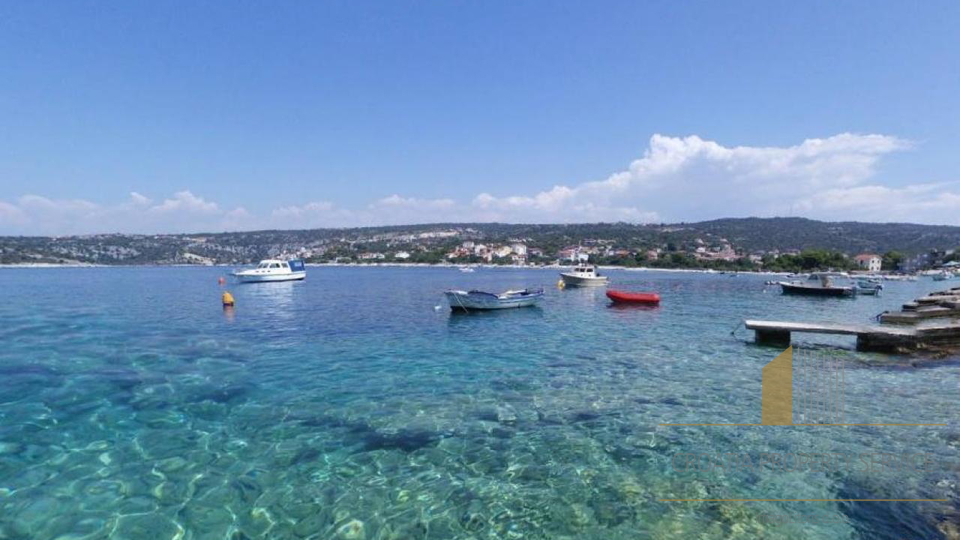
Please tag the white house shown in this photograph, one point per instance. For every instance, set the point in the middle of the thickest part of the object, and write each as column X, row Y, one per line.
column 869, row 262
column 519, row 249
column 401, row 255
column 502, row 251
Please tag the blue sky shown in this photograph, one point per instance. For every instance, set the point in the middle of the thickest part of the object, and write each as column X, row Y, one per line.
column 185, row 116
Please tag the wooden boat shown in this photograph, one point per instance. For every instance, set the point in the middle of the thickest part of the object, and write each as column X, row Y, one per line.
column 481, row 300
column 273, row 270
column 583, row 276
column 819, row 284
column 624, row 297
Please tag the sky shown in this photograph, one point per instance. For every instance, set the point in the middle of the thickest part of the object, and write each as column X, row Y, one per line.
column 193, row 116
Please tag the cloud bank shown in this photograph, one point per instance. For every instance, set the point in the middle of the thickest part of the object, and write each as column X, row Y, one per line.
column 676, row 179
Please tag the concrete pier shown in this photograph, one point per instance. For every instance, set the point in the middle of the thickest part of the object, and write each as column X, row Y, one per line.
column 869, row 338
column 913, row 328
column 938, row 305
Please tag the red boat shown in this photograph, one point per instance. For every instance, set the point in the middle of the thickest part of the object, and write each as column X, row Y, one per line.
column 634, row 297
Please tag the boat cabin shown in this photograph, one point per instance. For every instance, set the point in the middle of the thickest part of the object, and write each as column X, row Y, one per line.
column 585, row 270
column 828, row 279
column 269, row 264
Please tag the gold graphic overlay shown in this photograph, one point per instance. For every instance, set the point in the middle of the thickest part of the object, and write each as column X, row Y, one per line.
column 821, row 404
column 776, row 399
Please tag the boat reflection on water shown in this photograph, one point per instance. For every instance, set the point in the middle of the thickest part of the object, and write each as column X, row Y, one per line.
column 276, row 302
column 620, row 306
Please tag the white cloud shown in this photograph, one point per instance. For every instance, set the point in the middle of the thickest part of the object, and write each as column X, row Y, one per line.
column 923, row 203
column 689, row 178
column 396, row 201
column 184, row 201
column 139, row 199
column 11, row 214
column 305, row 211
column 676, row 179
column 183, row 212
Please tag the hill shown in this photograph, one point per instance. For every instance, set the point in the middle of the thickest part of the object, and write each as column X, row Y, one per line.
column 686, row 244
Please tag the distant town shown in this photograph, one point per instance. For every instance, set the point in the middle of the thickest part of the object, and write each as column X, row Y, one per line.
column 752, row 244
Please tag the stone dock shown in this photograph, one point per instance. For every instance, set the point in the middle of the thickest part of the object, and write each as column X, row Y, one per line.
column 928, row 323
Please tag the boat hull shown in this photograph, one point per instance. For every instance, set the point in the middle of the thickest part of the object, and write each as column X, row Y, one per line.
column 623, row 297
column 269, row 278
column 571, row 280
column 475, row 300
column 791, row 288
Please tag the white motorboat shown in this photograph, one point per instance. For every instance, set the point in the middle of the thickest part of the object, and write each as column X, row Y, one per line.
column 583, row 276
column 480, row 300
column 273, row 270
column 466, row 269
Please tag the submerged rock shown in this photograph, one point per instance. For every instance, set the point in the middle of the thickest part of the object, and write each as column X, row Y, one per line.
column 151, row 525
column 352, row 530
column 506, row 415
column 472, row 520
column 311, row 525
column 405, row 440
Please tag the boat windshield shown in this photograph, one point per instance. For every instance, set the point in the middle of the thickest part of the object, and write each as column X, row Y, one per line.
column 263, row 265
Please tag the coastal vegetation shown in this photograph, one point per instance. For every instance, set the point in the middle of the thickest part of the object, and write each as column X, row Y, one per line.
column 774, row 244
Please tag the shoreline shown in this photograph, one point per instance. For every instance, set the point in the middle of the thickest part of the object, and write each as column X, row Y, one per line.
column 394, row 265
column 432, row 265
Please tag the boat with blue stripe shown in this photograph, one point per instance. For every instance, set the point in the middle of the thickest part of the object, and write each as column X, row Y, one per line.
column 273, row 270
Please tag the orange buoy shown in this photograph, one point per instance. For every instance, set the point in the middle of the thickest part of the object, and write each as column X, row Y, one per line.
column 227, row 299
column 221, row 280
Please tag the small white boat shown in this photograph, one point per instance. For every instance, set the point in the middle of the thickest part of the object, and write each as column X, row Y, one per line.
column 870, row 286
column 583, row 276
column 273, row 270
column 466, row 269
column 899, row 277
column 480, row 300
column 943, row 276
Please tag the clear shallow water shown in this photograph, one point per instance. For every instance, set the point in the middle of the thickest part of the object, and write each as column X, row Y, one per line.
column 346, row 406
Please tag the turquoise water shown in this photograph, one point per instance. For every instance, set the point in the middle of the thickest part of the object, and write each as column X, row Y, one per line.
column 347, row 406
